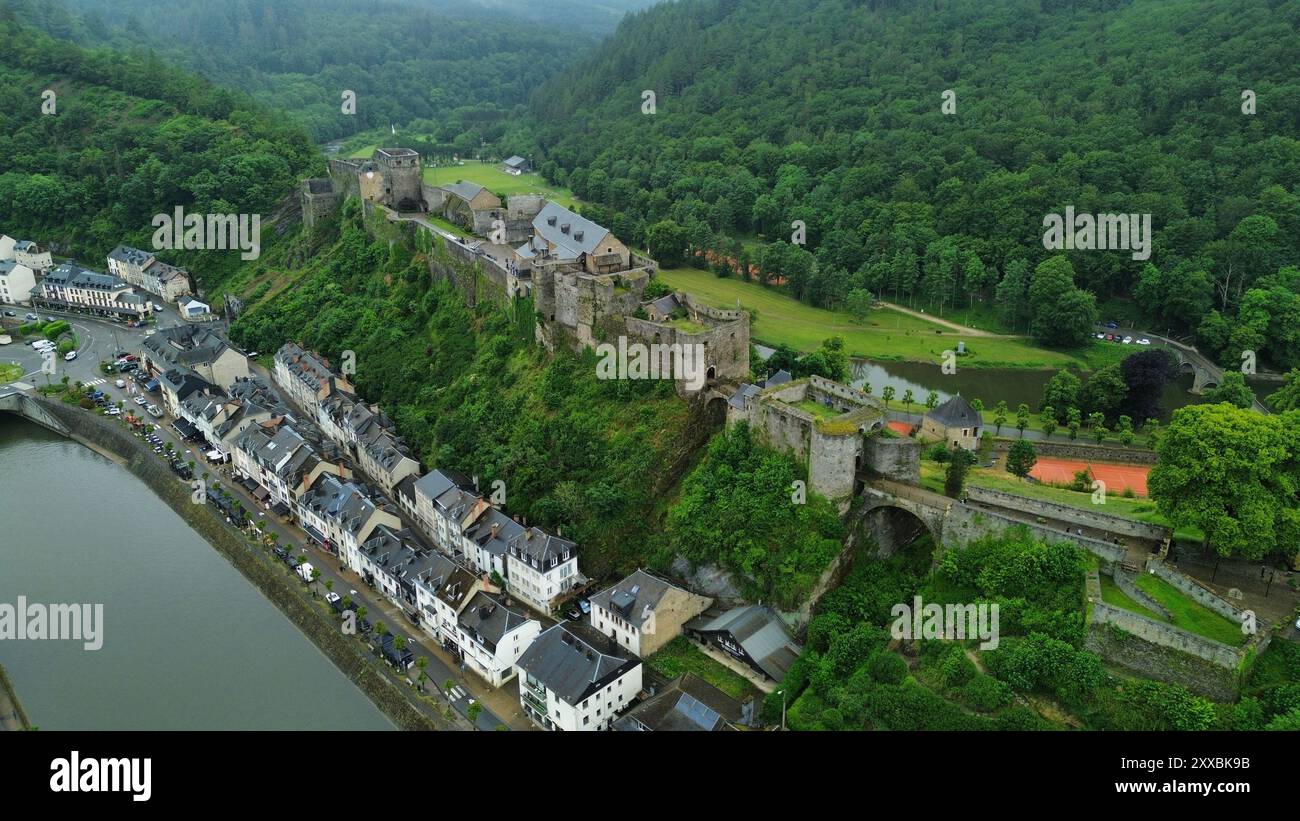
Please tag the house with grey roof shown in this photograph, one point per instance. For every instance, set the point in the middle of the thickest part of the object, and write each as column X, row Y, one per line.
column 69, row 287
column 178, row 384
column 34, row 256
column 491, row 633
column 194, row 348
column 541, row 568
column 753, row 635
column 517, row 165
column 687, row 704
column 282, row 464
column 144, row 270
column 17, row 282
column 567, row 238
column 384, row 457
column 573, row 678
column 307, row 378
column 643, row 612
column 467, row 204
column 486, row 537
column 443, row 500
column 391, row 560
column 955, row 423
column 340, row 515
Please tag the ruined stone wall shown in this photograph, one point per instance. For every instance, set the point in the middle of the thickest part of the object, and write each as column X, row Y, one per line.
column 832, row 464
column 897, row 459
column 1068, row 513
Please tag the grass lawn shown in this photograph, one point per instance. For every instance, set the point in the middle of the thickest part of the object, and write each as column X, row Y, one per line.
column 9, row 372
column 491, row 177
column 447, row 225
column 680, row 656
column 1112, row 595
column 817, row 409
column 886, row 335
column 1191, row 615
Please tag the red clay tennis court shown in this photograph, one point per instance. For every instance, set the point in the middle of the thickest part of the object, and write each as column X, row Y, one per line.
column 901, row 428
column 1117, row 477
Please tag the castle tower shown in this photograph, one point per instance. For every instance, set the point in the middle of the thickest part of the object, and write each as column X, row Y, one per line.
column 400, row 168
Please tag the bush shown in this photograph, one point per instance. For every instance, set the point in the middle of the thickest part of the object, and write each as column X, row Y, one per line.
column 956, row 668
column 938, row 453
column 887, row 668
column 986, row 693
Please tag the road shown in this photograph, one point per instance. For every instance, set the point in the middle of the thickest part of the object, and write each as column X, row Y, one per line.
column 99, row 339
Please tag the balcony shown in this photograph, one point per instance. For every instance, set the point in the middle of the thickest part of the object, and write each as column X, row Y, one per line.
column 532, row 700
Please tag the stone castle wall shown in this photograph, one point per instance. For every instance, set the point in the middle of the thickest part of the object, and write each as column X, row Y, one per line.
column 1068, row 513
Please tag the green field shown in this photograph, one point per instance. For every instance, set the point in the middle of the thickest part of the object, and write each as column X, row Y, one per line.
column 1112, row 595
column 1191, row 615
column 680, row 656
column 887, row 334
column 491, row 177
column 9, row 372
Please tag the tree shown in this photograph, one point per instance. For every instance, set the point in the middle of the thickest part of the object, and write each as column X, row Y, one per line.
column 887, row 394
column 931, row 400
column 1233, row 474
column 473, row 712
column 1063, row 315
column 1000, row 415
column 858, row 304
column 1047, row 419
column 1021, row 458
column 1234, row 391
column 422, row 664
column 666, row 241
column 1073, row 422
column 1145, row 375
column 1125, row 430
column 1104, row 392
column 1061, row 392
column 959, row 465
column 977, row 405
column 1287, row 397
column 1022, row 418
column 909, row 399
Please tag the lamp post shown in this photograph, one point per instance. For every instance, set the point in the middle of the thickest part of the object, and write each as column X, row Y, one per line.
column 782, row 692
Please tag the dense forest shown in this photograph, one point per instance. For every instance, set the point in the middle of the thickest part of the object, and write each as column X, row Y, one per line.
column 129, row 137
column 452, row 67
column 832, row 112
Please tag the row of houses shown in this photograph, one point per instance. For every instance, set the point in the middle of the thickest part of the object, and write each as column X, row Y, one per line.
column 28, row 276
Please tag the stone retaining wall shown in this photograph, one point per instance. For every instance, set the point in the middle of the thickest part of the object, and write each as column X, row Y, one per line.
column 1068, row 513
column 1195, row 590
column 1086, row 452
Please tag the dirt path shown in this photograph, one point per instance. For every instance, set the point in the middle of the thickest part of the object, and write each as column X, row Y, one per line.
column 964, row 329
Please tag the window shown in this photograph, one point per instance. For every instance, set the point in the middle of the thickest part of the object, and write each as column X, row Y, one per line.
column 586, row 720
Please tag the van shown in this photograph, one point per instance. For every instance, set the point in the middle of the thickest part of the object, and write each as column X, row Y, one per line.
column 305, row 570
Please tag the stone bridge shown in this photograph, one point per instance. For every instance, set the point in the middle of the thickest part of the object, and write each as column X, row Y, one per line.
column 1205, row 374
column 893, row 514
column 18, row 403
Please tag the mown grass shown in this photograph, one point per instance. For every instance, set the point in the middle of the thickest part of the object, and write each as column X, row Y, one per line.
column 886, row 334
column 1112, row 595
column 1189, row 614
column 9, row 372
column 679, row 656
column 491, row 177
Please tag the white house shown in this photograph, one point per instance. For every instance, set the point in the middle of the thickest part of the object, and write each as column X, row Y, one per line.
column 573, row 678
column 491, row 635
column 486, row 538
column 32, row 255
column 642, row 612
column 443, row 499
column 306, row 378
column 71, row 287
column 193, row 309
column 339, row 515
column 540, row 567
column 17, row 282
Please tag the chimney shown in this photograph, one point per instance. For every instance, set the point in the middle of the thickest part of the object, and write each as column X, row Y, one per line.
column 495, row 528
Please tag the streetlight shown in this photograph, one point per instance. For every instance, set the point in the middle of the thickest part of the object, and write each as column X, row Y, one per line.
column 782, row 692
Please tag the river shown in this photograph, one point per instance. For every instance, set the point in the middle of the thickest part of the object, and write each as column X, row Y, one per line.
column 1014, row 385
column 188, row 643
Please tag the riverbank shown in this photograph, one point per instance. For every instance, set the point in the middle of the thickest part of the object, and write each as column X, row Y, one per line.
column 12, row 715
column 344, row 652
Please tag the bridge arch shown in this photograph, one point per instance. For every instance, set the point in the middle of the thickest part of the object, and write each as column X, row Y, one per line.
column 893, row 523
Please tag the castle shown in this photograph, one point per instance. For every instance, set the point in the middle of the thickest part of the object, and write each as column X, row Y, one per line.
column 838, row 432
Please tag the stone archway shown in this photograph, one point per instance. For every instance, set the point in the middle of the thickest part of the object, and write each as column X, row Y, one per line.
column 892, row 526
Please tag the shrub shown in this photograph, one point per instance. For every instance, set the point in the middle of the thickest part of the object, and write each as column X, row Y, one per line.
column 887, row 668
column 986, row 693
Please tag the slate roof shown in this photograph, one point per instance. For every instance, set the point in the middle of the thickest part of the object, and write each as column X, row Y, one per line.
column 186, row 382
column 497, row 544
column 186, row 345
column 129, row 255
column 631, row 596
column 487, row 619
column 344, row 503
column 574, row 661
column 758, row 630
column 540, row 548
column 69, row 274
column 956, row 413
column 465, row 190
column 551, row 223
column 688, row 703
column 778, row 378
column 516, row 161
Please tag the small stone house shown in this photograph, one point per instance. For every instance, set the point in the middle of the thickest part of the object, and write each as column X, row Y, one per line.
column 955, row 423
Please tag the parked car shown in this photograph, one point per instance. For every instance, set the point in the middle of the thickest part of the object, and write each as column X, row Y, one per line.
column 154, row 411
column 10, row 313
column 335, row 601
column 1109, row 337
column 305, row 570
column 121, row 383
column 1128, row 340
column 1101, row 336
column 1112, row 324
column 139, row 400
column 280, row 552
column 31, row 318
column 1144, row 341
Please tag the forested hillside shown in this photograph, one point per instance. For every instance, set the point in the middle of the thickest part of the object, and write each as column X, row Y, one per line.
column 129, row 137
column 830, row 112
column 451, row 67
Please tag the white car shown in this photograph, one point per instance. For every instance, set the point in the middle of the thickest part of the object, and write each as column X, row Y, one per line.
column 1101, row 336
column 113, row 412
column 121, row 383
column 70, row 355
column 1128, row 340
column 1144, row 341
column 139, row 400
column 154, row 412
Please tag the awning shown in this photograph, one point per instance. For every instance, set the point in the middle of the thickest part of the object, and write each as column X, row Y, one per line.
column 185, row 428
column 261, row 493
column 315, row 534
column 215, row 455
column 280, row 509
column 249, row 484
